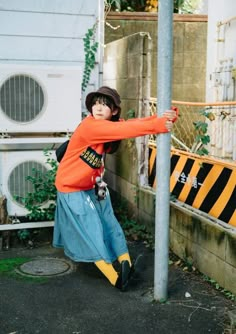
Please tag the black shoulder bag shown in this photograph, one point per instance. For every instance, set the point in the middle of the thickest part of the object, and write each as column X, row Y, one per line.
column 61, row 150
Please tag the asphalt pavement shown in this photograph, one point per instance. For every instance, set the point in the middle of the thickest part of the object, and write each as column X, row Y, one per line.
column 49, row 294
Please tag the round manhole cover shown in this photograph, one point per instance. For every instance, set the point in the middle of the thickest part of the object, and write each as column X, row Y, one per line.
column 46, row 267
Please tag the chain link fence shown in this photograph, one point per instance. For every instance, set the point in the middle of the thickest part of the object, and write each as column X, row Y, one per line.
column 212, row 125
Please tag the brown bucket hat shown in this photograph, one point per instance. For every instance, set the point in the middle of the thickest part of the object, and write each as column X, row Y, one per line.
column 106, row 91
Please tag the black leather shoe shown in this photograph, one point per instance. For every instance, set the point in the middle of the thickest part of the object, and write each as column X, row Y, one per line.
column 137, row 266
column 123, row 278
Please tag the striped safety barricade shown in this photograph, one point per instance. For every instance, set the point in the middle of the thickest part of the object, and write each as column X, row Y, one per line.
column 205, row 183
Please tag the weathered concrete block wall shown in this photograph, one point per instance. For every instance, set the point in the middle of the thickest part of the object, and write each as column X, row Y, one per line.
column 126, row 68
column 189, row 49
column 209, row 244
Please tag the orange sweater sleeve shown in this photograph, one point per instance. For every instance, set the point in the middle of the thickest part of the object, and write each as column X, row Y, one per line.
column 97, row 131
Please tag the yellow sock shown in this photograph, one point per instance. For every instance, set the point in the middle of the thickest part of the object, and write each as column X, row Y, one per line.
column 108, row 270
column 124, row 257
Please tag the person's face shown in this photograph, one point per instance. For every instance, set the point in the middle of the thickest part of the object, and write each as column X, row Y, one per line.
column 101, row 110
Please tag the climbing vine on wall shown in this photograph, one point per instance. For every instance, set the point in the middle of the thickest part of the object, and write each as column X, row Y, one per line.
column 90, row 50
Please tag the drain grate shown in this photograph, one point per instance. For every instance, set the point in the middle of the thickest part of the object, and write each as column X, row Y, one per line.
column 46, row 267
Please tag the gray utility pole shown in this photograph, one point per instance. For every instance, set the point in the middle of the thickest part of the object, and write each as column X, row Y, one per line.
column 164, row 90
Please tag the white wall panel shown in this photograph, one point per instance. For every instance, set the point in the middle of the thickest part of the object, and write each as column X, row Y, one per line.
column 44, row 24
column 33, row 49
column 50, row 31
column 82, row 7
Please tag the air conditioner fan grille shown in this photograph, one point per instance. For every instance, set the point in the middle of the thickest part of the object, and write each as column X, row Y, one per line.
column 21, row 98
column 18, row 185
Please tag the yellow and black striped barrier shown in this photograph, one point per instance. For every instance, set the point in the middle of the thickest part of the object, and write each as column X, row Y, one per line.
column 204, row 183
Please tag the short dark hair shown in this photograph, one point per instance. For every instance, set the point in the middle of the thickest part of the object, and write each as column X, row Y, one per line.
column 103, row 99
column 109, row 102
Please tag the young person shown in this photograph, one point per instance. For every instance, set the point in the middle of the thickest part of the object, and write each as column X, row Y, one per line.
column 85, row 224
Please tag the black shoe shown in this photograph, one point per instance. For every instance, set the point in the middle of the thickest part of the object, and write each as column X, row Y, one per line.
column 137, row 266
column 123, row 278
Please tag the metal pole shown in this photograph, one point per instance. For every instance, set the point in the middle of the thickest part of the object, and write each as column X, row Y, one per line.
column 164, row 90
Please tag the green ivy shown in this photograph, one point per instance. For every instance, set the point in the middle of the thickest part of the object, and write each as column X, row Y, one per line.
column 201, row 128
column 90, row 49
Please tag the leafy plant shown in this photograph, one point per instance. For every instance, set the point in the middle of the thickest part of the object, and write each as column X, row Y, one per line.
column 28, row 237
column 201, row 128
column 127, row 5
column 44, row 191
column 23, row 234
column 227, row 293
column 186, row 6
column 131, row 113
column 90, row 49
column 132, row 229
column 179, row 6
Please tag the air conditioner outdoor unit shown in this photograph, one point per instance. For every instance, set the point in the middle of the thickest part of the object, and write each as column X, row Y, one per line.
column 39, row 98
column 15, row 166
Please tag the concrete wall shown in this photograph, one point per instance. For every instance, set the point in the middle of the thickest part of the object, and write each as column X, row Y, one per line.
column 127, row 68
column 209, row 244
column 206, row 242
column 189, row 49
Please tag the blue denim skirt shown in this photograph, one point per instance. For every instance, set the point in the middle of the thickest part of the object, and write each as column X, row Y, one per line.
column 86, row 228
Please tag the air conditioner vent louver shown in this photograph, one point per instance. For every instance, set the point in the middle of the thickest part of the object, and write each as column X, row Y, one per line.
column 21, row 98
column 18, row 185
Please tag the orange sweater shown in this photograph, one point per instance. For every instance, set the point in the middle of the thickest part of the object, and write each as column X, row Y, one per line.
column 83, row 162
